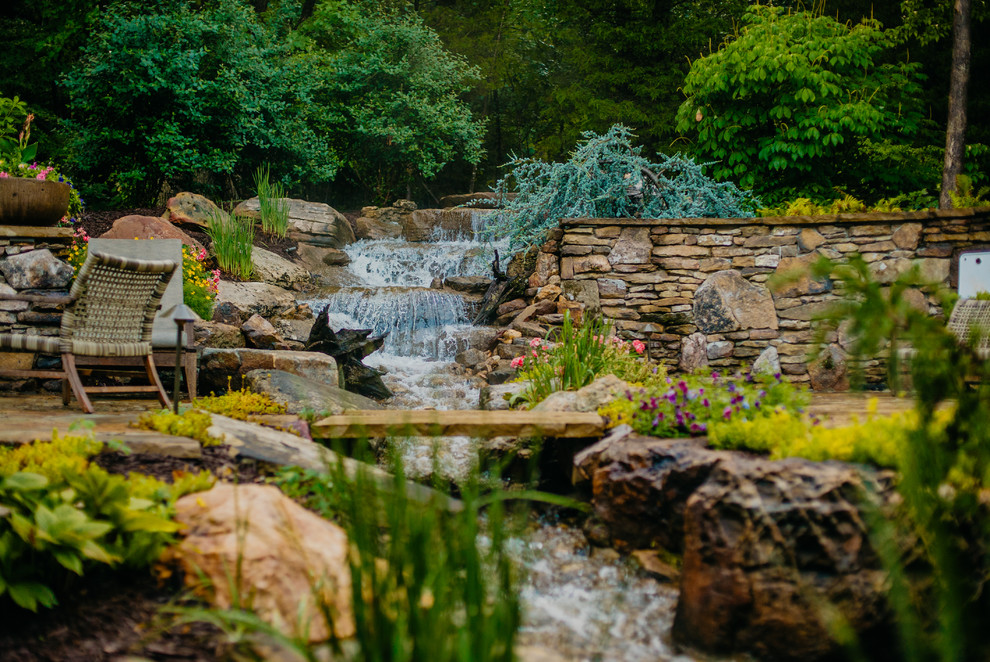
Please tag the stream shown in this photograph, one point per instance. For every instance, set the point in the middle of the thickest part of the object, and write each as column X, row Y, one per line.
column 580, row 602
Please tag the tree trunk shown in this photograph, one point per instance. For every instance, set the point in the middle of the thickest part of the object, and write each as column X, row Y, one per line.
column 955, row 132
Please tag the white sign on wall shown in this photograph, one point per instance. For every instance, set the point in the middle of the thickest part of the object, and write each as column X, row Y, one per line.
column 974, row 273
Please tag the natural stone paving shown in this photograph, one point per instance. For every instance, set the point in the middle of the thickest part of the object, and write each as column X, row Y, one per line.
column 24, row 418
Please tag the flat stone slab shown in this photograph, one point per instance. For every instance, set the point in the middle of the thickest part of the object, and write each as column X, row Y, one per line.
column 254, row 441
column 455, row 423
column 27, row 428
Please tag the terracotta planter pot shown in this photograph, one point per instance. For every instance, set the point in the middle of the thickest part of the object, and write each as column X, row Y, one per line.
column 32, row 201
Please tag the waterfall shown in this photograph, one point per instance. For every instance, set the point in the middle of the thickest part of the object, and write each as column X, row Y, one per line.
column 419, row 322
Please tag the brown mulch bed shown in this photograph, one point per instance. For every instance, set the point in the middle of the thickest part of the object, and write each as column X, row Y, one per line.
column 109, row 615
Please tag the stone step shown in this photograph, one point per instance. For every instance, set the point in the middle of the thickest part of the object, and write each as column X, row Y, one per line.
column 360, row 424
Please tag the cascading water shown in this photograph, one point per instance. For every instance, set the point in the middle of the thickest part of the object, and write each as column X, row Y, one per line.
column 579, row 605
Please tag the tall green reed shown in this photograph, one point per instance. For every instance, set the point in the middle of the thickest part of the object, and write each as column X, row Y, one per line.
column 937, row 547
column 233, row 241
column 274, row 206
column 430, row 582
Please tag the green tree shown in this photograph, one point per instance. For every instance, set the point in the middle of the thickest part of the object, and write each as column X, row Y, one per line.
column 392, row 94
column 798, row 103
column 193, row 97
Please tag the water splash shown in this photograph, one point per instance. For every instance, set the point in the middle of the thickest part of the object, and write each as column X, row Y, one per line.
column 419, row 322
column 394, row 262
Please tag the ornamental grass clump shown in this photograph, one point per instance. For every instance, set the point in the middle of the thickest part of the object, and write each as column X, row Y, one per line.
column 272, row 203
column 695, row 403
column 578, row 356
column 233, row 241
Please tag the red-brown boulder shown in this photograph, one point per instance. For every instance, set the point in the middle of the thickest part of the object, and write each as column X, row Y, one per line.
column 148, row 227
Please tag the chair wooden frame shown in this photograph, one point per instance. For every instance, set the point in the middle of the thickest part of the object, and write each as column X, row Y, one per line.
column 107, row 321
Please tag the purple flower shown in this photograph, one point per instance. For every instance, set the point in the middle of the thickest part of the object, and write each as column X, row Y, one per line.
column 705, row 403
column 727, row 413
column 732, row 387
column 698, row 428
column 683, row 386
column 715, row 376
column 777, row 376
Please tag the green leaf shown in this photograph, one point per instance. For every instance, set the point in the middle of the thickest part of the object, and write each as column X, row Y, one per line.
column 29, row 594
column 24, row 481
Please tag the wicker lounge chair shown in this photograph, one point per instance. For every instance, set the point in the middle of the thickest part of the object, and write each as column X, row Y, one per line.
column 970, row 319
column 109, row 315
column 163, row 336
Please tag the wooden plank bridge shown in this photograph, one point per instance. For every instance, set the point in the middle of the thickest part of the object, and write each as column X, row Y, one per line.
column 467, row 423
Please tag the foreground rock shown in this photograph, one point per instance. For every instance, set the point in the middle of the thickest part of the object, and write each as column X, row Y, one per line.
column 220, row 367
column 299, row 394
column 254, row 540
column 766, row 543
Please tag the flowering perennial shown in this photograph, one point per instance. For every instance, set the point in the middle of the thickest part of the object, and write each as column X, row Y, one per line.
column 692, row 405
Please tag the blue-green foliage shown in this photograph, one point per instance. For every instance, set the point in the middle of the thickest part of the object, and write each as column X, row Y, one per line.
column 607, row 177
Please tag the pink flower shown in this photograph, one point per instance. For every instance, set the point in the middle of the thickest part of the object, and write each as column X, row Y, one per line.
column 517, row 362
column 202, row 255
column 4, row 175
column 534, row 343
column 41, row 175
column 638, row 346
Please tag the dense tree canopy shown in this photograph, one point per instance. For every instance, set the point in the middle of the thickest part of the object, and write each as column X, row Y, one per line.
column 789, row 102
column 362, row 99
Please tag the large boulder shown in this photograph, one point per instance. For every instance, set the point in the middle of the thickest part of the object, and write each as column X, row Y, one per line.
column 192, row 208
column 728, row 302
column 217, row 334
column 766, row 546
column 309, row 222
column 373, row 228
column 276, row 270
column 261, row 334
column 218, row 365
column 149, row 227
column 766, row 543
column 299, row 393
column 37, row 269
column 254, row 298
column 425, row 224
column 251, row 540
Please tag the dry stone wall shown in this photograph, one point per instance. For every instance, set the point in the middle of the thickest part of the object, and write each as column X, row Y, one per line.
column 695, row 289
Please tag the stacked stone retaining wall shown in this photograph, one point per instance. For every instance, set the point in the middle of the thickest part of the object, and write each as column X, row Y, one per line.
column 29, row 264
column 695, row 289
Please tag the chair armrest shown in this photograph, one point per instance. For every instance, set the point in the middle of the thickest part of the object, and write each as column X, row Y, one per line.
column 189, row 335
column 37, row 298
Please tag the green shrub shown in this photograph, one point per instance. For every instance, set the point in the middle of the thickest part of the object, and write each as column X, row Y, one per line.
column 233, row 243
column 193, row 94
column 693, row 404
column 274, row 206
column 876, row 441
column 190, row 423
column 577, row 357
column 239, row 404
column 799, row 101
column 60, row 514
